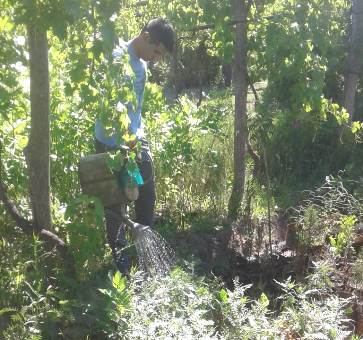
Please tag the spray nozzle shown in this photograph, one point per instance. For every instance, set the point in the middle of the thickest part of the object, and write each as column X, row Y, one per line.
column 136, row 227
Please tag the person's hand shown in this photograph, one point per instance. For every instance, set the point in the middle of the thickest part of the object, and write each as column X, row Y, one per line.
column 130, row 140
column 132, row 143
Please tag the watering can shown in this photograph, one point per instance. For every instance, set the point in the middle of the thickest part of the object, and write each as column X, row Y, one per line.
column 97, row 179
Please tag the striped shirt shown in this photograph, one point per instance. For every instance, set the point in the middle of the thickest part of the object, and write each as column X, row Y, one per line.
column 139, row 68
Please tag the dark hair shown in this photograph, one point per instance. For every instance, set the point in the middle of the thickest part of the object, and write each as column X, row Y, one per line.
column 161, row 31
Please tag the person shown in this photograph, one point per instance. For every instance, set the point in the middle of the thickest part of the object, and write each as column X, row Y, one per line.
column 154, row 41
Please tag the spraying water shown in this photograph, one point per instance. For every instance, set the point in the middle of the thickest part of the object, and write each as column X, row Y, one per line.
column 154, row 254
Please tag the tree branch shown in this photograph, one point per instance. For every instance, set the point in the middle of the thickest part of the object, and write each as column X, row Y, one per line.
column 256, row 158
column 249, row 4
column 210, row 26
column 25, row 225
column 257, row 99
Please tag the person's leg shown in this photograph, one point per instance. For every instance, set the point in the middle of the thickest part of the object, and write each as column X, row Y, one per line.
column 113, row 219
column 115, row 229
column 116, row 237
column 145, row 204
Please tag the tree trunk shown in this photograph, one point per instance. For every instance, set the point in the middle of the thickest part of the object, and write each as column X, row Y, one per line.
column 175, row 75
column 227, row 74
column 354, row 58
column 240, row 83
column 37, row 152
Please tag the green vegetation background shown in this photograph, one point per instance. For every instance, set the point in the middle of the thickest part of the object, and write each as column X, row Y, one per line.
column 296, row 60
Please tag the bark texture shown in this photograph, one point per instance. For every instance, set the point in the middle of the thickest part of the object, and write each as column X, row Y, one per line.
column 240, row 84
column 37, row 152
column 354, row 58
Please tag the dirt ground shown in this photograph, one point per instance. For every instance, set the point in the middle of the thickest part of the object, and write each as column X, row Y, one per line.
column 226, row 253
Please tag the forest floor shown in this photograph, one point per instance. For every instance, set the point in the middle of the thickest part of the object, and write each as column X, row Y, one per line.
column 228, row 254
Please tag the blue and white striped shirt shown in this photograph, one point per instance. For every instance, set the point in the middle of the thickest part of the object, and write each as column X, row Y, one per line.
column 139, row 68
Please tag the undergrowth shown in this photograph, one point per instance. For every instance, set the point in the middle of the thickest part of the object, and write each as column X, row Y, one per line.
column 181, row 306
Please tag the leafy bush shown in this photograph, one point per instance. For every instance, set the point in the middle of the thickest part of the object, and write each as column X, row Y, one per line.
column 312, row 311
column 343, row 241
column 171, row 307
column 243, row 318
column 192, row 152
column 301, row 122
column 180, row 306
column 329, row 210
column 84, row 231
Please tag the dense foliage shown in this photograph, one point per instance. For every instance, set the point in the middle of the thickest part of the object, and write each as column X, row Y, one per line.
column 300, row 139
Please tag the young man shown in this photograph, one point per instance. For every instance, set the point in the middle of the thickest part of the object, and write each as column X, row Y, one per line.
column 154, row 41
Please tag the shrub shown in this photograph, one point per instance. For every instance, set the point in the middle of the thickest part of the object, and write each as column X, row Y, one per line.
column 171, row 307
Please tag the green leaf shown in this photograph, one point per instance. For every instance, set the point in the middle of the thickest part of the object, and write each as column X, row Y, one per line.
column 7, row 310
column 332, row 241
column 59, row 26
column 97, row 48
column 114, row 161
column 119, row 282
column 68, row 90
column 64, row 302
column 223, row 295
column 356, row 126
column 263, row 300
column 105, row 291
column 108, row 34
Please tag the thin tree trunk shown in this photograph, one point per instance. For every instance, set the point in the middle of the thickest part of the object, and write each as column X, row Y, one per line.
column 240, row 10
column 227, row 74
column 39, row 140
column 37, row 154
column 175, row 72
column 354, row 58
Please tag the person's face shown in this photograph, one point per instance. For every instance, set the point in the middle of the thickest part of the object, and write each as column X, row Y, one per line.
column 151, row 51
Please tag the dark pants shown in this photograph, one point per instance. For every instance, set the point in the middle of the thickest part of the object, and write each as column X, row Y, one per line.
column 144, row 205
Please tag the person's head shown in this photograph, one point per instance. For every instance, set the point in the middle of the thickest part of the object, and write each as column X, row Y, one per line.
column 155, row 40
